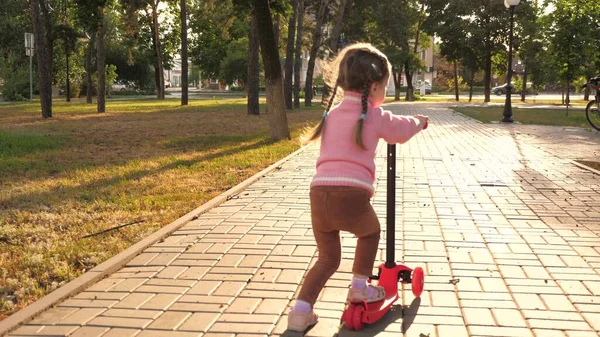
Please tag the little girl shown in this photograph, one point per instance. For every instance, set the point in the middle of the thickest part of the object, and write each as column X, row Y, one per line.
column 343, row 185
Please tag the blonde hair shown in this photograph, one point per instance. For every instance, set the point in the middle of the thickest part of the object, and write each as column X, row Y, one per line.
column 355, row 68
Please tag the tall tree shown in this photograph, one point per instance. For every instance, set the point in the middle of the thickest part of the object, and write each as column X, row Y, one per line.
column 409, row 68
column 184, row 53
column 398, row 25
column 253, row 67
column 90, row 14
column 334, row 41
column 277, row 28
column 100, row 58
column 278, row 126
column 44, row 60
column 289, row 56
column 298, row 56
column 89, row 68
column 529, row 39
column 159, row 67
column 314, row 49
column 572, row 38
column 457, row 22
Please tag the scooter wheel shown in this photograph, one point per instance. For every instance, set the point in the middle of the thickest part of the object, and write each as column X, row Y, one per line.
column 358, row 314
column 348, row 317
column 418, row 281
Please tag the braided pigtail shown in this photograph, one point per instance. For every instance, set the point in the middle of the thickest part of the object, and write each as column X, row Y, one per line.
column 363, row 115
column 319, row 128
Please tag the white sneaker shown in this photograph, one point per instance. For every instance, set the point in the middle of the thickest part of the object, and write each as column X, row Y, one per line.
column 301, row 321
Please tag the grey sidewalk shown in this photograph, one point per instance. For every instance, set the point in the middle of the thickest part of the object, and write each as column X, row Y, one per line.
column 507, row 233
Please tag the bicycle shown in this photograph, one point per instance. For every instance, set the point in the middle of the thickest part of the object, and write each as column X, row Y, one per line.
column 592, row 110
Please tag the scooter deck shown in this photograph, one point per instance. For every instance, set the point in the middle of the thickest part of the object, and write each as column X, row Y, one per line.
column 375, row 311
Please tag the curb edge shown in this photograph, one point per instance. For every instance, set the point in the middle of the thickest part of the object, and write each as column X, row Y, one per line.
column 585, row 167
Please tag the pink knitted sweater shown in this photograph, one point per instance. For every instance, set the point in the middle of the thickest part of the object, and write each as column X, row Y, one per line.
column 342, row 162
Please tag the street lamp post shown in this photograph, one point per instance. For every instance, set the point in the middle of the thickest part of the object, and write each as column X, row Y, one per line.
column 510, row 4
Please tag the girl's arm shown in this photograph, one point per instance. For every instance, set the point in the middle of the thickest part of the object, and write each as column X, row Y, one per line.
column 399, row 129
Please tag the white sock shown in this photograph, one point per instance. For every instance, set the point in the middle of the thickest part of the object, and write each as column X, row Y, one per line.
column 302, row 306
column 359, row 283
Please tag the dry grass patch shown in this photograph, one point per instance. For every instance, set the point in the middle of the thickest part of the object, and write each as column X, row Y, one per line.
column 84, row 172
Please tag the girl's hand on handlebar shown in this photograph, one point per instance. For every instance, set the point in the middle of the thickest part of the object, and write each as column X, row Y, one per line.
column 424, row 120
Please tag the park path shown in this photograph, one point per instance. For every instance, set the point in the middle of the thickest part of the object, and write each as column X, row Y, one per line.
column 505, row 226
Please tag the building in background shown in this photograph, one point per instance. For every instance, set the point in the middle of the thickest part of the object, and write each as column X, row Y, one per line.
column 422, row 76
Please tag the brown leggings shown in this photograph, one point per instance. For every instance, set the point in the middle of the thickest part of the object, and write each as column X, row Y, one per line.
column 336, row 208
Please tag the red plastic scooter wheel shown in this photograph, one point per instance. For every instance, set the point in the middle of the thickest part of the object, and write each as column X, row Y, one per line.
column 418, row 281
column 348, row 317
column 358, row 314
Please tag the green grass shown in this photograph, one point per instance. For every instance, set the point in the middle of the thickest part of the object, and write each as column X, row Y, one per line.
column 556, row 117
column 82, row 172
column 494, row 99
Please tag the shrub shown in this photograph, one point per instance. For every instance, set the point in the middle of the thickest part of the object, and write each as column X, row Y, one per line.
column 15, row 85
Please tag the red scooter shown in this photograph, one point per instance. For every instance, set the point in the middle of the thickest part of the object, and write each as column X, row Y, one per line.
column 357, row 315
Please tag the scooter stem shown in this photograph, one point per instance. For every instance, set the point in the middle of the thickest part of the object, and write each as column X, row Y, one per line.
column 390, row 261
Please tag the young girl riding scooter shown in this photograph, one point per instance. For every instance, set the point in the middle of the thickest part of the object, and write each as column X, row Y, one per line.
column 343, row 185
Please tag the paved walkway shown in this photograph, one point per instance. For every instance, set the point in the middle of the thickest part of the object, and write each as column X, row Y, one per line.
column 508, row 235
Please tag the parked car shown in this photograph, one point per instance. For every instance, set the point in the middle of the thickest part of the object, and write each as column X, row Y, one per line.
column 427, row 86
column 118, row 87
column 501, row 89
column 122, row 86
column 167, row 84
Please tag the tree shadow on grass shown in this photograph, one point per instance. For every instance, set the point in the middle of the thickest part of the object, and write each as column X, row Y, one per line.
column 74, row 192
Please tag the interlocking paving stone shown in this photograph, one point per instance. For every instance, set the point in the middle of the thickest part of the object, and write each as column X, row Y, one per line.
column 504, row 226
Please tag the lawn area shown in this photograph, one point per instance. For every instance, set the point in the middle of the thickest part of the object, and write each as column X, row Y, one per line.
column 529, row 116
column 82, row 172
column 494, row 99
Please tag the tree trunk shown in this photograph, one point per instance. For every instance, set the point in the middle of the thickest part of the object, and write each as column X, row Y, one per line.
column 160, row 77
column 568, row 99
column 278, row 125
column 410, row 95
column 488, row 72
column 334, row 43
column 289, row 56
column 524, row 89
column 471, row 84
column 418, row 28
column 253, row 71
column 45, row 85
column 410, row 91
column 298, row 56
column 100, row 61
column 49, row 38
column 90, row 69
column 277, row 29
column 184, row 54
column 396, row 76
column 586, row 93
column 456, row 91
column 314, row 49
